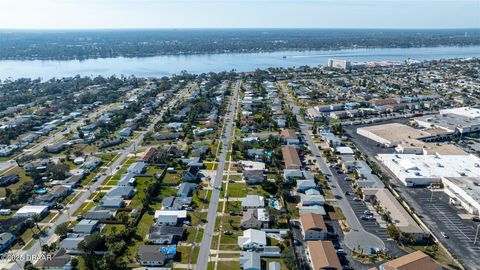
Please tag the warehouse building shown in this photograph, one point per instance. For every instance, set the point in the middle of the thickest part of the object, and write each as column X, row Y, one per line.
column 422, row 170
column 464, row 192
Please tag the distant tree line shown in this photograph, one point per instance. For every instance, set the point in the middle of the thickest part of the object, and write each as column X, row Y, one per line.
column 46, row 45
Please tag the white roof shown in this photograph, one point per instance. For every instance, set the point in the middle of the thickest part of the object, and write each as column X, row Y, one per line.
column 468, row 112
column 178, row 213
column 344, row 150
column 32, row 209
column 432, row 166
column 253, row 236
column 252, row 165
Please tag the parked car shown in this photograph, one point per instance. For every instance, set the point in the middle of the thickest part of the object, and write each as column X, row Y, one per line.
column 444, row 235
column 356, row 199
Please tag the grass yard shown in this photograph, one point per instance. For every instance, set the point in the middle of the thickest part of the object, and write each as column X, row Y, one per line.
column 236, row 190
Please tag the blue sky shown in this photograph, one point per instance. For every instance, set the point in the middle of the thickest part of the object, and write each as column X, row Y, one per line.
column 87, row 14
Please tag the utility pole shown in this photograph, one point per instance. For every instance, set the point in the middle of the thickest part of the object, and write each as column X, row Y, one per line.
column 476, row 234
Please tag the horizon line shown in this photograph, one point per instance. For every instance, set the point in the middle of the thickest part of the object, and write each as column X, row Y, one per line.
column 235, row 28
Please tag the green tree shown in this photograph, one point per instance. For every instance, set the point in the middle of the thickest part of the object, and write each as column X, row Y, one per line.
column 62, row 230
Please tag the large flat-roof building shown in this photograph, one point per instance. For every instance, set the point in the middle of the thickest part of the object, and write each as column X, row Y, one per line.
column 421, row 170
column 457, row 120
column 464, row 191
column 391, row 134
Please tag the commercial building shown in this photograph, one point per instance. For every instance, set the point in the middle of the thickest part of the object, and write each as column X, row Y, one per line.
column 393, row 134
column 340, row 64
column 398, row 215
column 421, row 170
column 464, row 191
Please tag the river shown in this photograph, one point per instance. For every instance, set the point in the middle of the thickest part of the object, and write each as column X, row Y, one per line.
column 168, row 65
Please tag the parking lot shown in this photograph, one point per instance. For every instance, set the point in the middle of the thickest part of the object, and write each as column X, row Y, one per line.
column 372, row 226
column 435, row 211
column 440, row 216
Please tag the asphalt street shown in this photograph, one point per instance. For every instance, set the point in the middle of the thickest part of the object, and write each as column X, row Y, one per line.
column 204, row 254
column 358, row 236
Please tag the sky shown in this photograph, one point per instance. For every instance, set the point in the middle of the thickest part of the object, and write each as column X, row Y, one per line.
column 119, row 14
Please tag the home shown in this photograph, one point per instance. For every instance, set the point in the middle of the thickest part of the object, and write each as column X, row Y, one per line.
column 314, row 115
column 55, row 147
column 125, row 132
column 170, row 217
column 112, row 202
column 322, row 255
column 85, row 226
column 6, row 239
column 32, row 210
column 60, row 261
column 7, row 180
column 253, row 177
column 176, row 203
column 312, row 197
column 252, row 239
column 296, row 174
column 122, row 192
column 289, row 136
column 191, row 175
column 91, row 163
column 70, row 244
column 255, row 153
column 192, row 162
column 415, row 260
column 137, row 167
column 255, row 219
column 313, row 227
column 304, row 185
column 147, row 155
column 250, row 260
column 14, row 225
column 185, row 189
column 164, row 234
column 127, row 179
column 98, row 213
column 291, row 158
column 253, row 201
column 150, row 255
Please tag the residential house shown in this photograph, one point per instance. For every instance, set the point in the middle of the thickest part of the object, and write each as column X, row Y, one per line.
column 304, row 185
column 98, row 213
column 150, row 255
column 191, row 175
column 253, row 201
column 255, row 219
column 415, row 260
column 253, row 177
column 137, row 167
column 313, row 227
column 291, row 158
column 250, row 260
column 164, row 234
column 6, row 239
column 323, row 256
column 185, row 189
column 86, row 226
column 252, row 239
